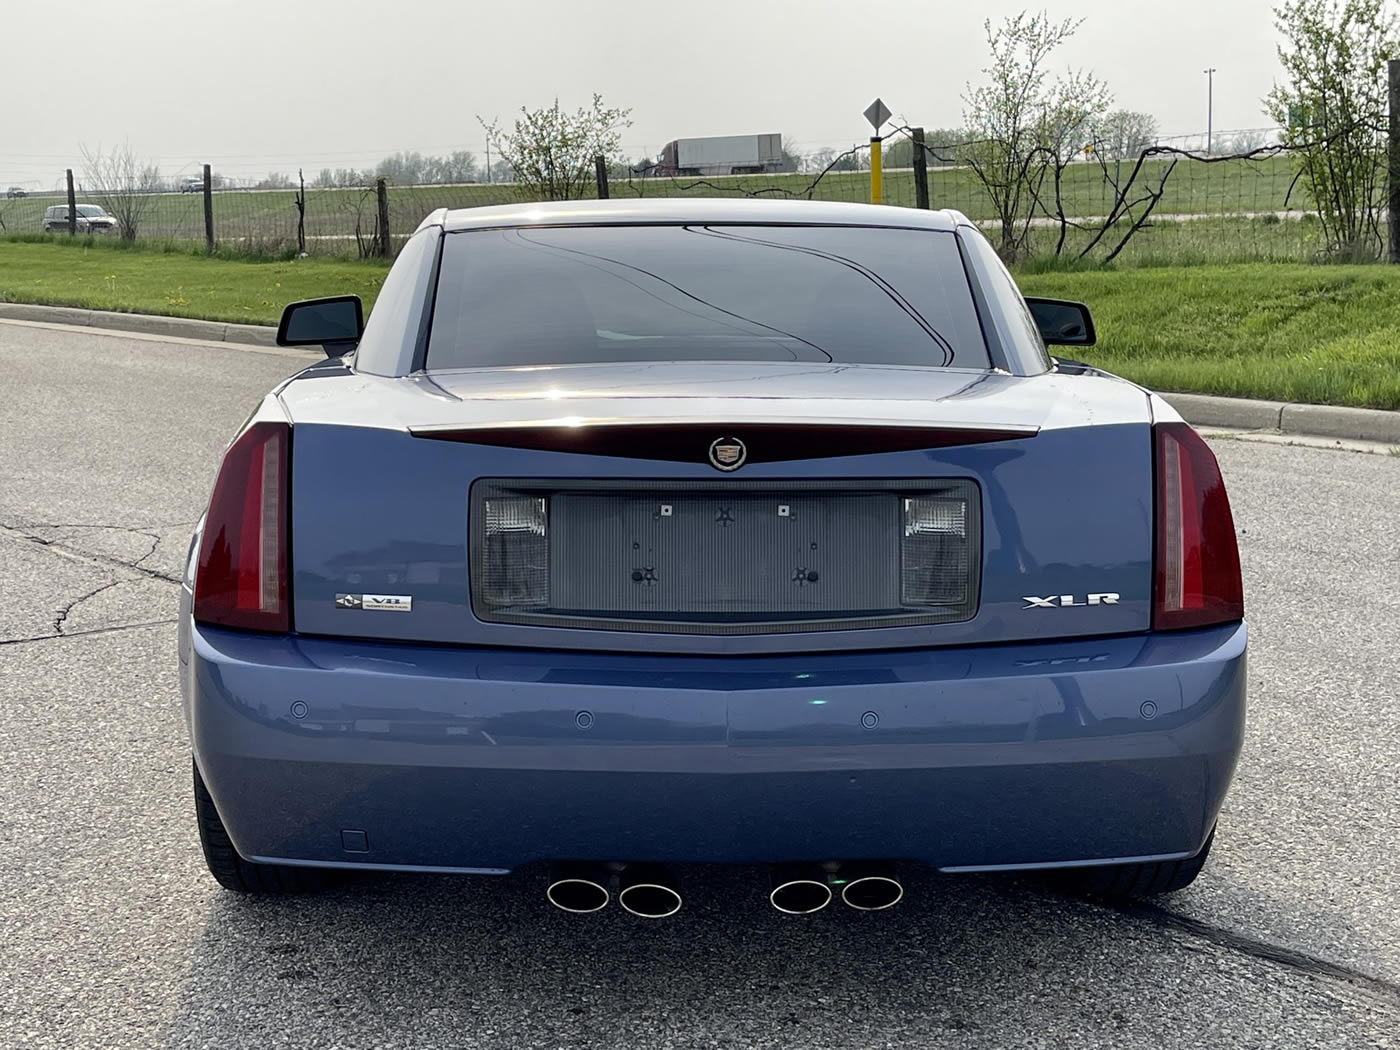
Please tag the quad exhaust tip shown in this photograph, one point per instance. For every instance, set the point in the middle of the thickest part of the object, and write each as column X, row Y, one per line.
column 578, row 889
column 647, row 891
column 870, row 886
column 799, row 889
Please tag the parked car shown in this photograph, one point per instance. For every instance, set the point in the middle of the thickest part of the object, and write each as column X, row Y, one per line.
column 16, row 191
column 632, row 533
column 192, row 185
column 92, row 218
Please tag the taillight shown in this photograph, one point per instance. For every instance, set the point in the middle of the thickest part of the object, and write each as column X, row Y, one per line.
column 1197, row 559
column 242, row 576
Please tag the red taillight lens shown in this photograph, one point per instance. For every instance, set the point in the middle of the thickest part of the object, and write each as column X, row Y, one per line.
column 242, row 576
column 1198, row 562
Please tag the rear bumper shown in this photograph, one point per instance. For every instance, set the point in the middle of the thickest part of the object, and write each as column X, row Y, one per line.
column 1033, row 755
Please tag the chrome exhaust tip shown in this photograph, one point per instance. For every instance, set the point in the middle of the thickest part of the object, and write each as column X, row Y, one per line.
column 870, row 886
column 647, row 891
column 799, row 889
column 578, row 888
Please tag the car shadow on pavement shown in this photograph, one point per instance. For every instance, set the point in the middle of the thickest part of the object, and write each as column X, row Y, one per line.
column 426, row 961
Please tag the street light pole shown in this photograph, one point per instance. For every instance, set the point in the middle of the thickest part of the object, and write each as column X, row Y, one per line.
column 1210, row 107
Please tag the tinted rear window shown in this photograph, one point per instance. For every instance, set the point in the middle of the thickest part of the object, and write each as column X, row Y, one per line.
column 584, row 294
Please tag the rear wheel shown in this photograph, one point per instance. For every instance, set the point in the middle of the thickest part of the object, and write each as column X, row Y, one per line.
column 233, row 872
column 1140, row 880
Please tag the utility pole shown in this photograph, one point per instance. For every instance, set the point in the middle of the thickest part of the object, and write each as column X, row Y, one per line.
column 1210, row 107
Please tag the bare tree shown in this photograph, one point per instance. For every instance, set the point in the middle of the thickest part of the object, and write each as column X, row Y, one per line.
column 819, row 160
column 1247, row 141
column 1124, row 133
column 1026, row 125
column 122, row 183
column 1332, row 109
column 363, row 210
column 300, row 201
column 453, row 169
column 404, row 169
column 551, row 152
column 792, row 156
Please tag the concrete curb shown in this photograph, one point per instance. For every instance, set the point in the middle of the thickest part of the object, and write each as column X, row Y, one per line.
column 1331, row 421
column 143, row 324
column 1203, row 410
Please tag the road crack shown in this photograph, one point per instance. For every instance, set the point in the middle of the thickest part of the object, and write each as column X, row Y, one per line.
column 67, row 610
column 68, row 636
column 28, row 533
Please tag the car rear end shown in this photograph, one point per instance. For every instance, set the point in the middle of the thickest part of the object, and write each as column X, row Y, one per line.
column 827, row 604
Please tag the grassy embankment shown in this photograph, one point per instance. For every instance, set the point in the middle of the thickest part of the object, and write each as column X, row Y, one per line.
column 1294, row 332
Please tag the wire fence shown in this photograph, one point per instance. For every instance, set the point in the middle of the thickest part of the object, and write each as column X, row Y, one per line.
column 1203, row 208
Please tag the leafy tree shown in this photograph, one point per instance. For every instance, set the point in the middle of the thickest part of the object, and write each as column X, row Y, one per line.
column 1332, row 108
column 941, row 147
column 1125, row 133
column 1028, row 126
column 551, row 152
column 500, row 171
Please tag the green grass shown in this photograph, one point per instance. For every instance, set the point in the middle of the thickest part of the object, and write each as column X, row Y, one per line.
column 1289, row 332
column 101, row 275
column 1209, row 240
column 1320, row 334
column 269, row 219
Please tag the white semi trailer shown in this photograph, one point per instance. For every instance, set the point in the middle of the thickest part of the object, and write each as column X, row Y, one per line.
column 723, row 155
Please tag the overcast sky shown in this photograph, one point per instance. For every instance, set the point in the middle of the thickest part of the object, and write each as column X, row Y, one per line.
column 254, row 85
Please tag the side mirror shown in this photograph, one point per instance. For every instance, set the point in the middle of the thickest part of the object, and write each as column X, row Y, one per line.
column 335, row 323
column 1063, row 323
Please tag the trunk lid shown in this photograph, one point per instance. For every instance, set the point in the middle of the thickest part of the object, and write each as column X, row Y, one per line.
column 1058, row 467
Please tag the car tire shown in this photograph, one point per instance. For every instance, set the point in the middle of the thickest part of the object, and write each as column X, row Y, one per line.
column 234, row 873
column 1140, row 880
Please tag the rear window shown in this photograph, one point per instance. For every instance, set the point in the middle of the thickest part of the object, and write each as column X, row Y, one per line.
column 583, row 294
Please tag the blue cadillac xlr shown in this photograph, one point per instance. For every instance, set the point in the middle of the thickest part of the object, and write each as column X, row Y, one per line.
column 634, row 534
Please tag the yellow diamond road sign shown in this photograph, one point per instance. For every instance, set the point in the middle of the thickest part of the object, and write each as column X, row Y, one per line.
column 877, row 114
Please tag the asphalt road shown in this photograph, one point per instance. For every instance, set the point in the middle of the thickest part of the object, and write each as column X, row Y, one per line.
column 114, row 936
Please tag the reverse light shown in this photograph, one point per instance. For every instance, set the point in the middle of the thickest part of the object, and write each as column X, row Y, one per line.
column 514, row 572
column 1197, row 566
column 241, row 580
column 934, row 551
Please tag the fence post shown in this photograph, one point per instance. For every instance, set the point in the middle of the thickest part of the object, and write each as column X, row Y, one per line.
column 1393, row 200
column 72, row 207
column 208, row 210
column 877, row 185
column 381, row 191
column 600, row 165
column 920, row 169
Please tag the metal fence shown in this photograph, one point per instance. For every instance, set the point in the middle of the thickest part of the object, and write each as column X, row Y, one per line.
column 1207, row 208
